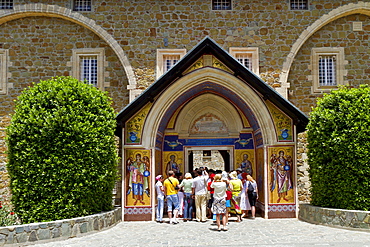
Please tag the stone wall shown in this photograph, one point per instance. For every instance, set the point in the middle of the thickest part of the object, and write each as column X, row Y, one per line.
column 348, row 219
column 41, row 48
column 337, row 34
column 303, row 181
column 22, row 235
column 141, row 27
column 4, row 176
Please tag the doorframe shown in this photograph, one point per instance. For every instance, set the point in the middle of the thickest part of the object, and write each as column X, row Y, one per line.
column 188, row 149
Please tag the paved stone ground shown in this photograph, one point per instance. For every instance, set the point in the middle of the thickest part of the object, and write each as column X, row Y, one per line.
column 259, row 232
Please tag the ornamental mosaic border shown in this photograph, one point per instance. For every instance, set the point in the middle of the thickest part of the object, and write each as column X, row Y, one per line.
column 137, row 210
column 282, row 208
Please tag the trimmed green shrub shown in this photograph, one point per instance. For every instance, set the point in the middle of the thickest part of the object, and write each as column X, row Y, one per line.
column 61, row 151
column 339, row 149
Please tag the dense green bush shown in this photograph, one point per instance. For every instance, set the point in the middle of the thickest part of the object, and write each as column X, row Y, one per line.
column 61, row 150
column 339, row 149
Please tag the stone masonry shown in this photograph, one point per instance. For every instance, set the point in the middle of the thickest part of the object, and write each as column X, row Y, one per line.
column 41, row 35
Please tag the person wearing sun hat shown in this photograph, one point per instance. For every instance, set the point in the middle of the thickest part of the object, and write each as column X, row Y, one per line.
column 188, row 199
column 160, row 198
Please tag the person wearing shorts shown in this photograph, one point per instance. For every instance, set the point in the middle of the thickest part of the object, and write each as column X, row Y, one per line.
column 170, row 185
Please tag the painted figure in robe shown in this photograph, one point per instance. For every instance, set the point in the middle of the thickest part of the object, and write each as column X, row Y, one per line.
column 246, row 165
column 137, row 181
column 280, row 167
column 172, row 165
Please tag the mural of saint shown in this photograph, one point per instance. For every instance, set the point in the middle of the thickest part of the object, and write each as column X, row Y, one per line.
column 280, row 167
column 246, row 165
column 138, row 178
column 172, row 165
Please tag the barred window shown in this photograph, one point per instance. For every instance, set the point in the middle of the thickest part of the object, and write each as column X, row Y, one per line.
column 298, row 4
column 89, row 69
column 166, row 59
column 248, row 56
column 327, row 70
column 89, row 64
column 170, row 61
column 6, row 4
column 245, row 59
column 82, row 5
column 221, row 5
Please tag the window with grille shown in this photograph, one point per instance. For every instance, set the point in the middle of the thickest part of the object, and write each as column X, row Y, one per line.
column 89, row 69
column 82, row 5
column 170, row 61
column 6, row 4
column 245, row 59
column 248, row 56
column 166, row 59
column 298, row 4
column 327, row 70
column 88, row 64
column 221, row 5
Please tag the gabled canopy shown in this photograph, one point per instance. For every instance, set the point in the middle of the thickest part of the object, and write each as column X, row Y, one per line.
column 208, row 47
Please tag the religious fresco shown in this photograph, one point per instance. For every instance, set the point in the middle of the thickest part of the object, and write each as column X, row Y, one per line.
column 260, row 174
column 138, row 177
column 280, row 174
column 244, row 159
column 134, row 127
column 283, row 124
column 173, row 160
column 208, row 124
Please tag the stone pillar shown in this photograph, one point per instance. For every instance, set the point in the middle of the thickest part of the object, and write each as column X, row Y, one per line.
column 4, row 176
column 303, row 183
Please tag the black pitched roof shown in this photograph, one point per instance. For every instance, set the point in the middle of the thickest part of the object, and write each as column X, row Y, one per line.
column 208, row 46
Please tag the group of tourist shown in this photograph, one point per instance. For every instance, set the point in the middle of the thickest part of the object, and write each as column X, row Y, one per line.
column 203, row 191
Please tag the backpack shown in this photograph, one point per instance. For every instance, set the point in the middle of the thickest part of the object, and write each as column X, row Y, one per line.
column 250, row 188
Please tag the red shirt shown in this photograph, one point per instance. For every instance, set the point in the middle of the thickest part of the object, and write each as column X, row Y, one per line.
column 229, row 195
column 211, row 190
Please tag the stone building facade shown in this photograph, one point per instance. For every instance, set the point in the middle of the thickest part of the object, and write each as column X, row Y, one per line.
column 43, row 39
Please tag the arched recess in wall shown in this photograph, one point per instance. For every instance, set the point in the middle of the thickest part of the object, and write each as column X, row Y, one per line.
column 38, row 9
column 161, row 108
column 349, row 9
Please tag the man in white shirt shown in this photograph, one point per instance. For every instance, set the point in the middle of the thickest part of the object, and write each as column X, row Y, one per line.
column 199, row 190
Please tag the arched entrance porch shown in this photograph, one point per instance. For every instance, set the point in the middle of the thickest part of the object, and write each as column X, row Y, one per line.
column 208, row 101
